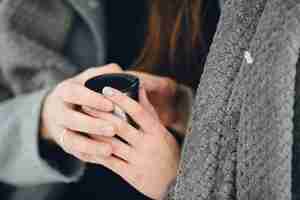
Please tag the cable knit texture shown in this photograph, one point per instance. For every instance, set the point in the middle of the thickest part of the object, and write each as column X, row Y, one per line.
column 241, row 139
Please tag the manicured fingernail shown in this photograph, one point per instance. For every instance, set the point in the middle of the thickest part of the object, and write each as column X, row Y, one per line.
column 108, row 91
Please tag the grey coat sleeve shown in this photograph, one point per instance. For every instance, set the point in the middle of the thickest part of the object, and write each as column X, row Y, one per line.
column 21, row 163
column 29, row 64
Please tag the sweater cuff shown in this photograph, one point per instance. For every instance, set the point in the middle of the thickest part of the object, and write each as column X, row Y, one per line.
column 39, row 162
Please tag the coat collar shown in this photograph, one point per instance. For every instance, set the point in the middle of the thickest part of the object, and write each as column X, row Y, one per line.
column 92, row 11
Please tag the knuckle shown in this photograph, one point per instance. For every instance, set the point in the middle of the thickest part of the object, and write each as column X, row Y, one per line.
column 127, row 152
column 117, row 146
column 114, row 129
column 67, row 91
column 138, row 136
column 120, row 125
column 120, row 149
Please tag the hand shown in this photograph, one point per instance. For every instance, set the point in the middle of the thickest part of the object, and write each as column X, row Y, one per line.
column 63, row 123
column 164, row 88
column 149, row 158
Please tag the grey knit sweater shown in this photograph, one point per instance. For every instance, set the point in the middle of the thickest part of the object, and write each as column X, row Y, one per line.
column 240, row 144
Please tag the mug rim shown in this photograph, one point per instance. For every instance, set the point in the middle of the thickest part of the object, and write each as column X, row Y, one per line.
column 134, row 80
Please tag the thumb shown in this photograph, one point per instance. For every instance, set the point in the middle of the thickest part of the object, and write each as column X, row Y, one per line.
column 149, row 82
column 144, row 101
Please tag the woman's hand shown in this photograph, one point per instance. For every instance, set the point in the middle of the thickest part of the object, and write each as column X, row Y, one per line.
column 149, row 158
column 63, row 123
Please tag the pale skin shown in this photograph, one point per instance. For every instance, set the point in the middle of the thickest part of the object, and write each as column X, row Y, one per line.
column 148, row 161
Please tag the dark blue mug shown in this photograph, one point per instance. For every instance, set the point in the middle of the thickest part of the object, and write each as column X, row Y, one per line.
column 126, row 83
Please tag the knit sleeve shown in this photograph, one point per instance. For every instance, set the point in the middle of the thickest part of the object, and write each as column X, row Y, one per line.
column 30, row 63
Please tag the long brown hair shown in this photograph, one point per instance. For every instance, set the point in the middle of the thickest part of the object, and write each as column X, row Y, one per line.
column 173, row 40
